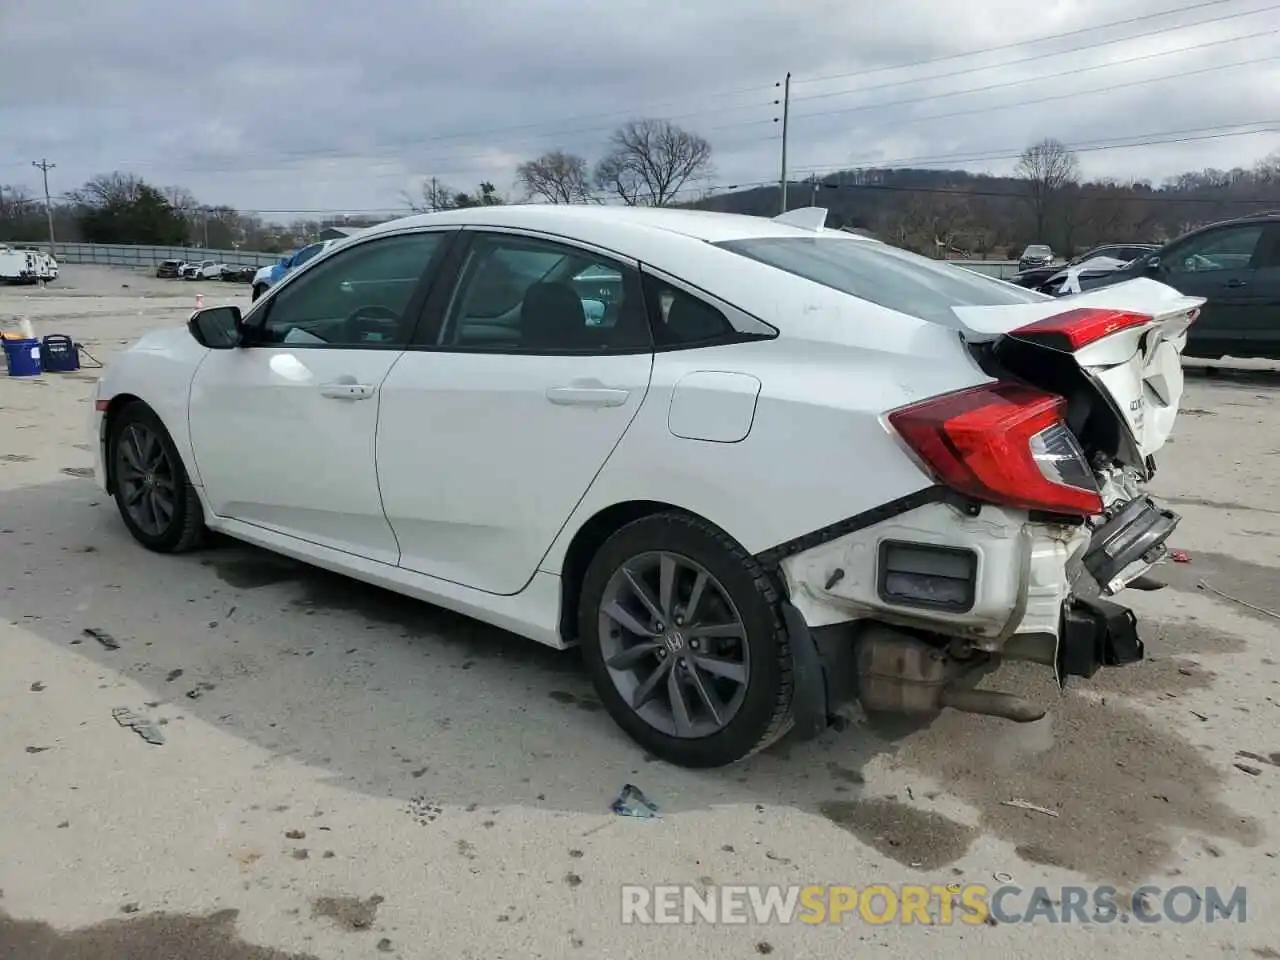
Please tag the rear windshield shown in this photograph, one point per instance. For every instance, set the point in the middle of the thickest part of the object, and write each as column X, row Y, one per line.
column 884, row 275
column 1036, row 251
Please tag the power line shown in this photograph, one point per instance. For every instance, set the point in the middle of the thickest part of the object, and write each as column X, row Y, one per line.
column 1048, row 76
column 1056, row 53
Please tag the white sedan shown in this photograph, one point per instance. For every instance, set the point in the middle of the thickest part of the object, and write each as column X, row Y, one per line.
column 757, row 470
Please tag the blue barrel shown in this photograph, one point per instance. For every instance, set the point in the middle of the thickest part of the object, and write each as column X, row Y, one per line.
column 23, row 357
column 58, row 353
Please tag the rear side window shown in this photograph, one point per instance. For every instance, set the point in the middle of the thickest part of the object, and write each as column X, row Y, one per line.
column 884, row 275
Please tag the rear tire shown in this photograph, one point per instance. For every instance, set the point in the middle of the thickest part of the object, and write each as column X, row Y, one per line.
column 157, row 502
column 258, row 291
column 709, row 684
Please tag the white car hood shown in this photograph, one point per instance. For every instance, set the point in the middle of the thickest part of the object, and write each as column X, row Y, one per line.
column 263, row 274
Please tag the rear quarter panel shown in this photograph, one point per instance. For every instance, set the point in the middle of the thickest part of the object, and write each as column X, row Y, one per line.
column 817, row 451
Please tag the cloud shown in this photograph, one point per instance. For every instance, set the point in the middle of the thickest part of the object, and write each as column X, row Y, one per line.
column 292, row 106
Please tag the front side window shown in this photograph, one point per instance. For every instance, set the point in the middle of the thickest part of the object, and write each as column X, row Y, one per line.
column 884, row 275
column 525, row 295
column 306, row 253
column 359, row 297
column 1230, row 248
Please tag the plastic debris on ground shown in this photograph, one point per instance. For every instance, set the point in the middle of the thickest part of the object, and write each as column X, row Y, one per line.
column 143, row 727
column 1180, row 556
column 104, row 638
column 631, row 802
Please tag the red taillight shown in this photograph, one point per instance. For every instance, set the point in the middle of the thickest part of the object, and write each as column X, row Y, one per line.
column 1078, row 328
column 1003, row 443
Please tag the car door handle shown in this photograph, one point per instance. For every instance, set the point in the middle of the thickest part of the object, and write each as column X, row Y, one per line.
column 587, row 396
column 342, row 390
column 1235, row 284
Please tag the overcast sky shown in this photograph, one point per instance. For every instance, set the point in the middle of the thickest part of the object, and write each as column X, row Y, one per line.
column 286, row 106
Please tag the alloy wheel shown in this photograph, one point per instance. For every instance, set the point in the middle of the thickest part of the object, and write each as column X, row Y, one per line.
column 674, row 644
column 145, row 476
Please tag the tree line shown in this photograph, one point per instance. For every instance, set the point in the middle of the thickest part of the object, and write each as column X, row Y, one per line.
column 654, row 162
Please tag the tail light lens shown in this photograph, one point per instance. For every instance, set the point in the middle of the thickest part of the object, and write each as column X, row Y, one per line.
column 1003, row 443
column 1076, row 329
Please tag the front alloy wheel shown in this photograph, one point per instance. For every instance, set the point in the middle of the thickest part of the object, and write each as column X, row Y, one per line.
column 156, row 499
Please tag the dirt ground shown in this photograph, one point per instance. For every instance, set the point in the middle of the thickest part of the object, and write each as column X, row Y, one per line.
column 346, row 773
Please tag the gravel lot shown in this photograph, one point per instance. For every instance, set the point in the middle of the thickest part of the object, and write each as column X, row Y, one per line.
column 348, row 774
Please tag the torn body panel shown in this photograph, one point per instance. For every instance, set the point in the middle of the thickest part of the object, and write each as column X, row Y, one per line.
column 1015, row 581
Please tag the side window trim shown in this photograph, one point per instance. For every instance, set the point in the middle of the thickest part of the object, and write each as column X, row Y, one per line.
column 428, row 281
column 431, row 326
column 748, row 327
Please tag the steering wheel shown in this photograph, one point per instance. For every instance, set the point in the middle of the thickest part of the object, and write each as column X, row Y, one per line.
column 371, row 319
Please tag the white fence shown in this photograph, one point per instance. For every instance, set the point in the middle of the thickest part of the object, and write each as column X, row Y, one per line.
column 129, row 255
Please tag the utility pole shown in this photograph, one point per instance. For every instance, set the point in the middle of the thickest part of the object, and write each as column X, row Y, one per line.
column 44, row 166
column 786, row 116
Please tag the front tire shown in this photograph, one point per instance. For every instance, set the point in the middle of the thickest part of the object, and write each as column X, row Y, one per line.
column 258, row 291
column 157, row 502
column 683, row 639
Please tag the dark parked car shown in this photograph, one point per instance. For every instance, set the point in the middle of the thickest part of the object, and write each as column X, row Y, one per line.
column 1036, row 255
column 239, row 274
column 1034, row 277
column 1236, row 266
column 168, row 269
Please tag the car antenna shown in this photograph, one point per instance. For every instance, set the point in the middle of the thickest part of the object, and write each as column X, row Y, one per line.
column 806, row 218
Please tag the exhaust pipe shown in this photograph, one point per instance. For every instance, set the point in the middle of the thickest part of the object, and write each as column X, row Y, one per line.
column 991, row 703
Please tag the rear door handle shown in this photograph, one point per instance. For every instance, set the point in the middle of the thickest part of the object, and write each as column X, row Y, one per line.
column 588, row 396
column 342, row 390
column 1236, row 283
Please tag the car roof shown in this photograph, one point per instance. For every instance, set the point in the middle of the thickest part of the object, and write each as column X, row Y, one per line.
column 588, row 221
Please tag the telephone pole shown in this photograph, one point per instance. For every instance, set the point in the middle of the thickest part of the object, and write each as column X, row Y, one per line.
column 786, row 116
column 44, row 166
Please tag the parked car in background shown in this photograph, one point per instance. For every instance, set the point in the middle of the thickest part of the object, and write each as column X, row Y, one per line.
column 1235, row 266
column 234, row 274
column 268, row 276
column 202, row 270
column 169, row 269
column 26, row 265
column 1035, row 277
column 755, row 469
column 1036, row 255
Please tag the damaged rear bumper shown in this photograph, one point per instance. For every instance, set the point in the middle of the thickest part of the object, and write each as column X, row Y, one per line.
column 1048, row 602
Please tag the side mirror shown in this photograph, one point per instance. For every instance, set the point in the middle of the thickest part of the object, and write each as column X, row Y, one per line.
column 217, row 328
column 1152, row 263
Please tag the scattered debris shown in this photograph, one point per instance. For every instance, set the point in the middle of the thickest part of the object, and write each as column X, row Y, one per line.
column 573, row 880
column 631, row 802
column 37, row 687
column 143, row 727
column 1205, row 585
column 1180, row 556
column 1200, row 716
column 104, row 638
column 1002, row 877
column 384, row 945
column 349, row 912
column 1273, row 760
column 770, row 855
column 36, row 749
column 1027, row 805
column 301, row 854
column 64, row 824
column 130, row 908
column 173, row 675
column 764, row 947
column 295, row 835
column 1245, row 768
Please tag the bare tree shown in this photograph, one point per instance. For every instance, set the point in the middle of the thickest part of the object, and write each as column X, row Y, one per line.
column 649, row 161
column 436, row 196
column 556, row 177
column 1048, row 167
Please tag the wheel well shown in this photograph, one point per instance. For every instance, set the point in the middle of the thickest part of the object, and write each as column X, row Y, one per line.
column 582, row 548
column 118, row 403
